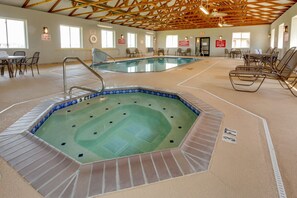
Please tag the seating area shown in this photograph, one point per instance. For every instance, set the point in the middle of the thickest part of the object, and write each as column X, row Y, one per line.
column 18, row 63
column 250, row 78
column 135, row 53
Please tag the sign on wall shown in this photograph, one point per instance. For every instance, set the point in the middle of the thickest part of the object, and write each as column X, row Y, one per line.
column 121, row 41
column 45, row 37
column 220, row 43
column 184, row 43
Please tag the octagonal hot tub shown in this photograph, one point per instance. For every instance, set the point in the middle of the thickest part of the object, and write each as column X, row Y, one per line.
column 97, row 143
column 118, row 124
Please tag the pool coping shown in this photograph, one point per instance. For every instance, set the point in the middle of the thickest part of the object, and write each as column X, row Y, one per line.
column 53, row 174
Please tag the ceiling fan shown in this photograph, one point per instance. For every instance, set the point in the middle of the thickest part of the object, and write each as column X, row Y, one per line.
column 215, row 13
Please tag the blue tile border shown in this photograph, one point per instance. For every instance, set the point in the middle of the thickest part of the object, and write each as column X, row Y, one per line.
column 111, row 92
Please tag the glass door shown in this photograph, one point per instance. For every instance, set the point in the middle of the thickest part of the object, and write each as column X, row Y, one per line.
column 205, row 46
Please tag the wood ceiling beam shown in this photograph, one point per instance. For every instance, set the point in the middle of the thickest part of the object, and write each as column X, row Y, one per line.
column 54, row 6
column 81, row 4
column 26, row 3
column 37, row 3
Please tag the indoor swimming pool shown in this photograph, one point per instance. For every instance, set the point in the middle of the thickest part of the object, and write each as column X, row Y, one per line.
column 153, row 64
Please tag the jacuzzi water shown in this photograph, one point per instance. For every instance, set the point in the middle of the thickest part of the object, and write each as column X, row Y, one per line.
column 117, row 125
column 145, row 64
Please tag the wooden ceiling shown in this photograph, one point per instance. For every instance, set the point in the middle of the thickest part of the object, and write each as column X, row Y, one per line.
column 161, row 15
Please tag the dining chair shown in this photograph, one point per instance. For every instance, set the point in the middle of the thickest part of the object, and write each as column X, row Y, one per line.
column 18, row 62
column 32, row 61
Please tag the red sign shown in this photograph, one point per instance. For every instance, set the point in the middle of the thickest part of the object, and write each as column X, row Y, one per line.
column 184, row 43
column 45, row 37
column 220, row 43
column 121, row 41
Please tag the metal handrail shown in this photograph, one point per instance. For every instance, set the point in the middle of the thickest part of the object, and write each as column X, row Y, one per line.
column 79, row 87
column 105, row 54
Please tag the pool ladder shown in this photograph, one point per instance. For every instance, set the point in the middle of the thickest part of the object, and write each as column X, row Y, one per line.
column 79, row 87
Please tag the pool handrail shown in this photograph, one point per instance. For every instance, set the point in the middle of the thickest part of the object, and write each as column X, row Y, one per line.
column 79, row 87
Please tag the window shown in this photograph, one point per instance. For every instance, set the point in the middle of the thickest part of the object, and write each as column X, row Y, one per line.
column 107, row 39
column 131, row 40
column 70, row 37
column 13, row 33
column 272, row 36
column 240, row 40
column 148, row 41
column 293, row 41
column 171, row 41
column 280, row 40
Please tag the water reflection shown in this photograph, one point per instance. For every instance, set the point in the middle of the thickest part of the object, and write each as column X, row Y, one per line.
column 146, row 64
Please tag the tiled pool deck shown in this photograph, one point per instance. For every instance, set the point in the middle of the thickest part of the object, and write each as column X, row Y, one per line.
column 53, row 174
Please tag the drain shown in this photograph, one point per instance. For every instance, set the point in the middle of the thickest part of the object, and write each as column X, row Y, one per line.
column 63, row 143
column 171, row 116
column 88, row 103
column 124, row 113
column 74, row 125
column 179, row 127
column 119, row 103
column 91, row 116
column 110, row 122
column 150, row 104
column 164, row 108
column 106, row 109
column 95, row 133
column 171, row 141
column 80, row 155
column 135, row 101
column 68, row 110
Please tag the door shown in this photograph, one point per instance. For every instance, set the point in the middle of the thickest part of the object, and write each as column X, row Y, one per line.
column 197, row 46
column 204, row 46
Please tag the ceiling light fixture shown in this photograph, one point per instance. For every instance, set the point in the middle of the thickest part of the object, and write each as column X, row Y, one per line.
column 203, row 9
column 103, row 26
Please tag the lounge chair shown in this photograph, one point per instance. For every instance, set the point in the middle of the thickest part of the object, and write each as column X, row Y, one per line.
column 178, row 52
column 138, row 52
column 227, row 53
column 251, row 80
column 272, row 68
column 129, row 53
column 188, row 52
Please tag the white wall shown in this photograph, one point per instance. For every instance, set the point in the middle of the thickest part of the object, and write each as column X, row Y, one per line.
column 50, row 51
column 286, row 19
column 259, row 37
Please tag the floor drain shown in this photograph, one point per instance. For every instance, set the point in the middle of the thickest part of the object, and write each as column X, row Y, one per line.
column 106, row 109
column 135, row 101
column 171, row 116
column 91, row 116
column 88, row 103
column 95, row 133
column 179, row 127
column 150, row 104
column 171, row 141
column 110, row 122
column 124, row 113
column 63, row 143
column 68, row 110
column 80, row 155
column 74, row 125
column 119, row 103
column 164, row 108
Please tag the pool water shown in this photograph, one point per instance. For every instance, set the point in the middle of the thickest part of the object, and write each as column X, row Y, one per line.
column 145, row 64
column 117, row 125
